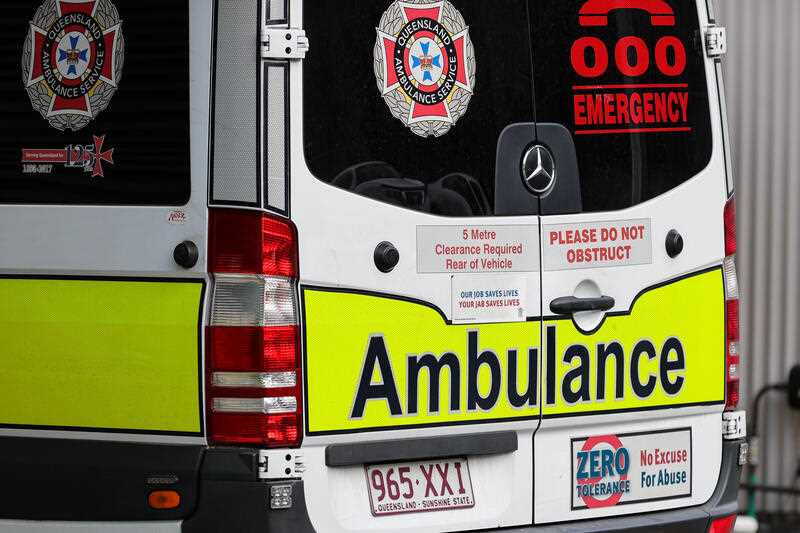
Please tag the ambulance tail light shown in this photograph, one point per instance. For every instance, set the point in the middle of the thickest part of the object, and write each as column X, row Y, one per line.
column 723, row 525
column 730, row 227
column 253, row 372
column 732, row 353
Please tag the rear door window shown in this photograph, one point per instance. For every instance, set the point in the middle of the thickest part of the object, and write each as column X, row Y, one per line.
column 627, row 78
column 94, row 100
column 405, row 104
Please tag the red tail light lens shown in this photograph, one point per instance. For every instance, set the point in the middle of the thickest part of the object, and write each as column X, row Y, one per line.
column 271, row 431
column 732, row 320
column 732, row 355
column 253, row 349
column 723, row 525
column 730, row 228
column 249, row 242
column 732, row 352
column 254, row 391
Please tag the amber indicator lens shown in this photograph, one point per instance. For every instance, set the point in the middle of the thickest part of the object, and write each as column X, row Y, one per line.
column 164, row 499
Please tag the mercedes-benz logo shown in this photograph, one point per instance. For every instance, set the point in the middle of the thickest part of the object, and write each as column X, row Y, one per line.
column 538, row 169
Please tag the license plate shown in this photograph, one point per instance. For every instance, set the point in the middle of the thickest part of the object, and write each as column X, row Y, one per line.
column 419, row 487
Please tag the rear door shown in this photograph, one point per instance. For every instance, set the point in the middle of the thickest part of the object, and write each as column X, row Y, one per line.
column 420, row 291
column 633, row 332
column 103, row 172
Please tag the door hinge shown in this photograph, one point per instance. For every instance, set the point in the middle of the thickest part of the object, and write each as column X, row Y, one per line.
column 283, row 43
column 716, row 41
column 280, row 464
column 734, row 425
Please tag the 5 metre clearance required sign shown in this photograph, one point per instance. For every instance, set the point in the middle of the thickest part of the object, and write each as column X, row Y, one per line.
column 469, row 249
column 609, row 470
column 375, row 362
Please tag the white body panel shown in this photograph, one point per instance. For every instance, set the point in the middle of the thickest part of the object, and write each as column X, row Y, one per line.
column 114, row 240
column 121, row 241
column 695, row 210
column 338, row 232
column 338, row 498
column 552, row 489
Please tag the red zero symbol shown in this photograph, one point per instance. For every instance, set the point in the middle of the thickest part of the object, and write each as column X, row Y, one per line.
column 590, row 444
column 599, row 51
column 631, row 56
column 663, row 46
column 640, row 53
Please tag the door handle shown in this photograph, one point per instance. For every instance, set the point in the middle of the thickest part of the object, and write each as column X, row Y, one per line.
column 186, row 254
column 570, row 304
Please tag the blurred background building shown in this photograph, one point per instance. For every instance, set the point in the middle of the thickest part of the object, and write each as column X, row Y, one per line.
column 763, row 91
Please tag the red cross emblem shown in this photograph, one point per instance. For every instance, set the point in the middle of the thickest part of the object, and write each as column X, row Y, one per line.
column 100, row 157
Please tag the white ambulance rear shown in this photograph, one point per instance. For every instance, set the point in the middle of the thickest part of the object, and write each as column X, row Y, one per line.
column 413, row 265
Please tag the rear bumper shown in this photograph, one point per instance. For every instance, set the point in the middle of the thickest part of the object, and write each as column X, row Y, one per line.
column 222, row 504
column 245, row 508
column 232, row 499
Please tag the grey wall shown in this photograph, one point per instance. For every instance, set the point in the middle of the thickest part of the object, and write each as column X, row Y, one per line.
column 763, row 90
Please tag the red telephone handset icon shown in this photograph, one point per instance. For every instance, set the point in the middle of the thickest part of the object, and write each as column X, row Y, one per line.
column 595, row 12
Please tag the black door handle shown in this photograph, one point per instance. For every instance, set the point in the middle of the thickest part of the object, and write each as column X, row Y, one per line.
column 570, row 304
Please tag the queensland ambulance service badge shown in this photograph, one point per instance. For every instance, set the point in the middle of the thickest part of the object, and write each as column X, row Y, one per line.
column 425, row 65
column 72, row 60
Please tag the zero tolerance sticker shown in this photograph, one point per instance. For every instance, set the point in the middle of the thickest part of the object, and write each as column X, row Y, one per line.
column 611, row 470
column 425, row 65
column 72, row 60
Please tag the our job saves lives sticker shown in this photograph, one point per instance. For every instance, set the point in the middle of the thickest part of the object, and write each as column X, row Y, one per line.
column 609, row 470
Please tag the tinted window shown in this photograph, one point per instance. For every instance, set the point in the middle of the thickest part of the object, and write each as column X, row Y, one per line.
column 379, row 109
column 630, row 85
column 79, row 80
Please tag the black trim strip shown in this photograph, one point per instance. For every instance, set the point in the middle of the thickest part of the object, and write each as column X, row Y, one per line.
column 389, row 451
column 212, row 116
column 212, row 94
column 272, row 21
column 66, row 277
column 259, row 113
column 231, row 203
column 110, row 431
column 512, row 420
column 287, row 145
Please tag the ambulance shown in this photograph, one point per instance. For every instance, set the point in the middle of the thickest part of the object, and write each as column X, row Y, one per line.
column 366, row 266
